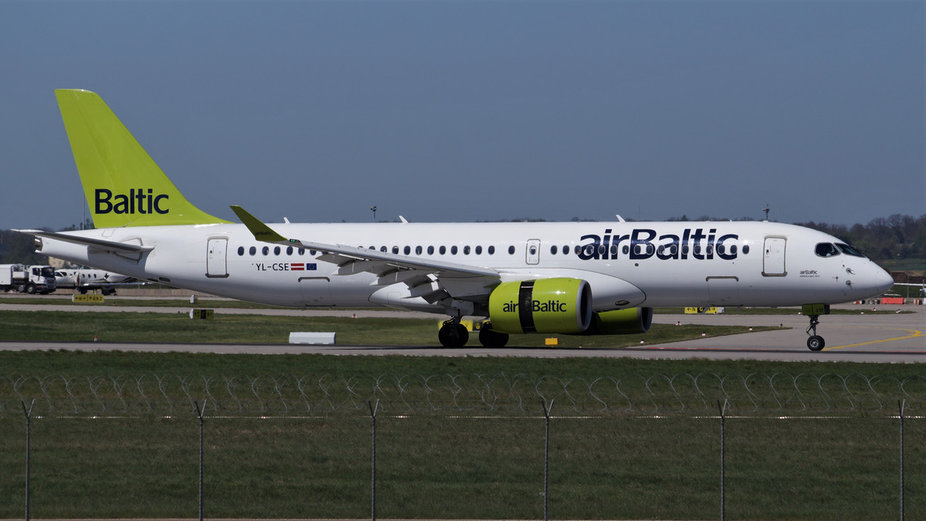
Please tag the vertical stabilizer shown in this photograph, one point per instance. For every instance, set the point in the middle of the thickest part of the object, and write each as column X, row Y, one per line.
column 123, row 185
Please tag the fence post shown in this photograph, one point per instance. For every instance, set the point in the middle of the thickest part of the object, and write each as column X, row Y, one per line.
column 901, row 405
column 546, row 460
column 723, row 466
column 28, row 413
column 373, row 409
column 200, row 413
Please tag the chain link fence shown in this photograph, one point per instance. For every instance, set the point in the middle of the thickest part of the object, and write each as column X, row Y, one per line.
column 459, row 394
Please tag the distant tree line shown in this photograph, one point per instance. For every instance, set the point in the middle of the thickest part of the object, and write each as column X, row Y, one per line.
column 883, row 239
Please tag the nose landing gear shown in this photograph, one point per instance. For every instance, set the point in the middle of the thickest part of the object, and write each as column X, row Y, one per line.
column 813, row 311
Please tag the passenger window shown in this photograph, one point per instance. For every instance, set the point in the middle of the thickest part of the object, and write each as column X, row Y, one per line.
column 491, row 250
column 453, row 250
column 442, row 250
column 511, row 250
column 240, row 251
column 252, row 251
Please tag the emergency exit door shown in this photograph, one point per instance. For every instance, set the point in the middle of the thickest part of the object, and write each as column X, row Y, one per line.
column 533, row 251
column 216, row 261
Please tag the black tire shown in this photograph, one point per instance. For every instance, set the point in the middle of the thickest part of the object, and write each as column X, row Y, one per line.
column 816, row 343
column 453, row 335
column 30, row 289
column 491, row 338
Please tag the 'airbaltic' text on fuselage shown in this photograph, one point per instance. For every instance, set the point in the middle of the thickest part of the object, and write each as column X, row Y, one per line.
column 643, row 243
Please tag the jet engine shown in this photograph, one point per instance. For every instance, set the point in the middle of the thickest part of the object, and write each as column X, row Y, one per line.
column 556, row 305
column 621, row 321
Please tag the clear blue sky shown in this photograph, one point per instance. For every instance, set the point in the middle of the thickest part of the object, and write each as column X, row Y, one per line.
column 480, row 110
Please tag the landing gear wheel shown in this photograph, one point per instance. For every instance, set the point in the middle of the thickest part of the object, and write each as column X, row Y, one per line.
column 491, row 338
column 453, row 334
column 816, row 343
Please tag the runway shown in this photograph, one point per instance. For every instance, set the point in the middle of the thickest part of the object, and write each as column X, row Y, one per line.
column 863, row 337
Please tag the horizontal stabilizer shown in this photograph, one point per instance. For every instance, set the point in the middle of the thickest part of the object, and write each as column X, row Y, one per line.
column 100, row 244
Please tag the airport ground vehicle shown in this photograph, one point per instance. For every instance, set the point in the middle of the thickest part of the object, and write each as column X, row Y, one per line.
column 25, row 278
column 83, row 280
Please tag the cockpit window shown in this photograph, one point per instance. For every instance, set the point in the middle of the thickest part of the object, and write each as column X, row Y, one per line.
column 848, row 250
column 826, row 249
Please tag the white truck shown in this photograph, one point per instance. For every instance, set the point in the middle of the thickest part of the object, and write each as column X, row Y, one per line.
column 27, row 279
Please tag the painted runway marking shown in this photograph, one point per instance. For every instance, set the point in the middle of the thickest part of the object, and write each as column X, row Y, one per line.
column 913, row 334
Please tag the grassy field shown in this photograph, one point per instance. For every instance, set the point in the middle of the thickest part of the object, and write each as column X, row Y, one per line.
column 432, row 463
column 489, row 468
column 238, row 304
column 456, row 437
column 171, row 328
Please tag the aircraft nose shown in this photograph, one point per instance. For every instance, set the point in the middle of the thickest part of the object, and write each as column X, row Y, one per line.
column 878, row 280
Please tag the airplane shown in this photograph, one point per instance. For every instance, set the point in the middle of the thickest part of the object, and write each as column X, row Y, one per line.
column 87, row 279
column 548, row 277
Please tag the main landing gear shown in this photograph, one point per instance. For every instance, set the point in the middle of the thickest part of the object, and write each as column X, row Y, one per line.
column 813, row 311
column 454, row 334
column 488, row 337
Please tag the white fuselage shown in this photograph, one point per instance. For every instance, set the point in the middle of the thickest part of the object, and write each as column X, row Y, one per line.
column 627, row 264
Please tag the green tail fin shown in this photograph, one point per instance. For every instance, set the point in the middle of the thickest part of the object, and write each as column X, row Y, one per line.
column 123, row 185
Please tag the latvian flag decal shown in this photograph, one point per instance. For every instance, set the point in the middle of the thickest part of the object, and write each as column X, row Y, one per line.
column 297, row 266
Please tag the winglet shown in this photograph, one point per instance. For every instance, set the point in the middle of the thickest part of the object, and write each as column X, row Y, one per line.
column 261, row 231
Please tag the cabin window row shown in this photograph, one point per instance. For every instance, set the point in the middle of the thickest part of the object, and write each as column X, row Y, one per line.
column 407, row 250
column 588, row 249
column 647, row 249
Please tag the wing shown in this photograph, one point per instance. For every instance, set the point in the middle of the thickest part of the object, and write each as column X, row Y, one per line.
column 426, row 283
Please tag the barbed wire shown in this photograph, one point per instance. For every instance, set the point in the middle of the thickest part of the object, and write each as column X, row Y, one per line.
column 450, row 394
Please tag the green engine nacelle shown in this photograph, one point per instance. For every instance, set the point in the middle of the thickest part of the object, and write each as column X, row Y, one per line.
column 621, row 321
column 561, row 305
